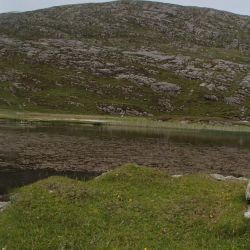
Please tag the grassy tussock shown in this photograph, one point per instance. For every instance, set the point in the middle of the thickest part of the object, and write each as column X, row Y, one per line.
column 129, row 208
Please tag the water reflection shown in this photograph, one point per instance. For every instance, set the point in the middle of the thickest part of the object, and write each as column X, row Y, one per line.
column 82, row 151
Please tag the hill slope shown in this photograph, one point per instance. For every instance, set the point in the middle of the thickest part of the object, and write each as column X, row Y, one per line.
column 133, row 58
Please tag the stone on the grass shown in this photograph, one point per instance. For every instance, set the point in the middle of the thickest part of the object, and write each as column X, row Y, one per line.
column 3, row 206
column 243, row 179
column 248, row 192
column 218, row 177
column 230, row 177
column 247, row 214
column 177, row 176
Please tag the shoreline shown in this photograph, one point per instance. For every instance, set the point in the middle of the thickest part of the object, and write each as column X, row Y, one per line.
column 181, row 123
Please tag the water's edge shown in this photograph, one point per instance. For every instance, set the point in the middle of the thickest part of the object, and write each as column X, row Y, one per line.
column 10, row 180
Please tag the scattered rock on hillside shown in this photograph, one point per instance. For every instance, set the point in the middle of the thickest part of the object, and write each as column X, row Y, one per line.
column 121, row 110
column 153, row 83
column 211, row 98
column 232, row 100
column 246, row 82
column 148, row 53
column 166, row 87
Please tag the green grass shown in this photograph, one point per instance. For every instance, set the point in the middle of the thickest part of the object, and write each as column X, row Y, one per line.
column 41, row 91
column 46, row 88
column 129, row 208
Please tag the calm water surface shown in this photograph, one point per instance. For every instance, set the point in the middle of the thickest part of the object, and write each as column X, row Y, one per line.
column 32, row 152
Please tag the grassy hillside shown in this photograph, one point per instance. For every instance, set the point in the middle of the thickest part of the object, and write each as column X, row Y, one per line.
column 129, row 208
column 126, row 58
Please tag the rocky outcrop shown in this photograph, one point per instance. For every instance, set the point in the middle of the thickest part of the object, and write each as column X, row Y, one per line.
column 121, row 110
column 153, row 83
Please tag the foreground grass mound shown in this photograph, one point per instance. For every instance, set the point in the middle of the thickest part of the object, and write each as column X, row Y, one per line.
column 129, row 208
